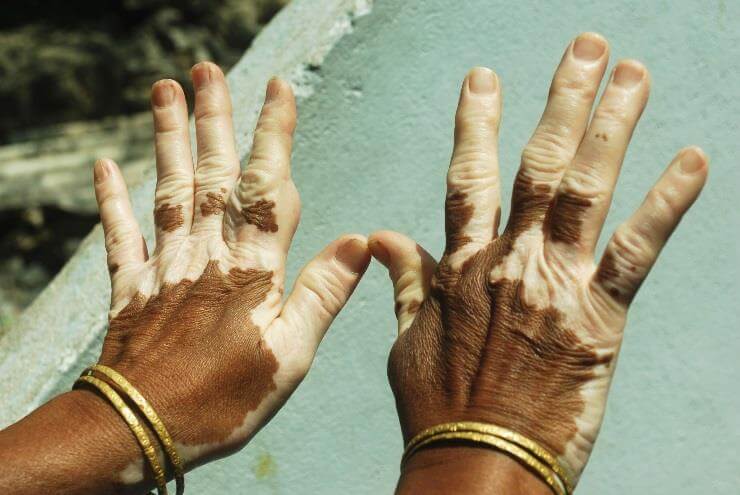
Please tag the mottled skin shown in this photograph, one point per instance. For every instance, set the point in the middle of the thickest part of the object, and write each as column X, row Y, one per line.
column 168, row 217
column 485, row 348
column 522, row 329
column 216, row 307
column 200, row 327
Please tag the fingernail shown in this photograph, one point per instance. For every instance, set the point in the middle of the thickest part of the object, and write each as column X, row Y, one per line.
column 379, row 252
column 101, row 170
column 692, row 160
column 589, row 47
column 163, row 94
column 628, row 75
column 273, row 90
column 353, row 254
column 482, row 81
column 201, row 74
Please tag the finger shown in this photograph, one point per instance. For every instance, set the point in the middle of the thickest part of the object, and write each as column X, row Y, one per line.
column 585, row 192
column 473, row 191
column 321, row 290
column 123, row 240
column 265, row 208
column 410, row 268
column 218, row 164
column 173, row 197
column 635, row 245
column 560, row 130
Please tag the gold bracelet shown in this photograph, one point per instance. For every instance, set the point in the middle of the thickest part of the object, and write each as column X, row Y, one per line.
column 148, row 411
column 534, row 448
column 499, row 443
column 136, row 427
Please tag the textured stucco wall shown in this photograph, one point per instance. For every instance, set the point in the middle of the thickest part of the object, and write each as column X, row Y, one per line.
column 372, row 147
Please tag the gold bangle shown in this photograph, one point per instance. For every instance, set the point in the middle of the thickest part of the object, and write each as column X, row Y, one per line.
column 136, row 427
column 148, row 411
column 534, row 448
column 547, row 475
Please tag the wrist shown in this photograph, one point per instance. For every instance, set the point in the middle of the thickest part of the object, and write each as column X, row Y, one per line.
column 75, row 443
column 463, row 468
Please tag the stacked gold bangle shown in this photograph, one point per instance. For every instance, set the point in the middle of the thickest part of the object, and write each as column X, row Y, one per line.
column 534, row 456
column 145, row 409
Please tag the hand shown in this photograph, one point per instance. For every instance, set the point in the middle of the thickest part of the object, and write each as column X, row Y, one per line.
column 199, row 327
column 522, row 329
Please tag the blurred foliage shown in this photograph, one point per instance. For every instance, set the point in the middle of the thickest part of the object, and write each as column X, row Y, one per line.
column 83, row 59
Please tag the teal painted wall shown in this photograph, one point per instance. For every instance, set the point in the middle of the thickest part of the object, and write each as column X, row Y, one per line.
column 372, row 148
column 371, row 151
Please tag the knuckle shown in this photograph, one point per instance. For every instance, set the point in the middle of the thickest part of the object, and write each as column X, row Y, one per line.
column 612, row 113
column 274, row 125
column 214, row 163
column 212, row 107
column 472, row 168
column 171, row 185
column 582, row 182
column 325, row 287
column 572, row 87
column 545, row 155
column 630, row 248
column 256, row 182
column 407, row 282
column 663, row 204
column 117, row 234
column 481, row 121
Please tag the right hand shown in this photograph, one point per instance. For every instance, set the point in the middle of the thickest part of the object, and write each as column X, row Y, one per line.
column 522, row 330
column 200, row 326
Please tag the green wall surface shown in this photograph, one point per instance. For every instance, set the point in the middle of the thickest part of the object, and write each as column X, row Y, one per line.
column 371, row 152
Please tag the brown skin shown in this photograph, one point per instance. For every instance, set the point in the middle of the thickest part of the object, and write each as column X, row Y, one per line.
column 169, row 327
column 522, row 329
column 200, row 328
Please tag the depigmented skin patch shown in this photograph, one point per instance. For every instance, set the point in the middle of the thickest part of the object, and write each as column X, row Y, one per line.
column 168, row 218
column 477, row 351
column 154, row 343
column 260, row 214
column 213, row 205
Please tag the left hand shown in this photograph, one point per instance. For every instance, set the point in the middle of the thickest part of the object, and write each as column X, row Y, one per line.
column 522, row 329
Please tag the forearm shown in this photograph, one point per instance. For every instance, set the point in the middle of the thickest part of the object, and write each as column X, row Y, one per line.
column 467, row 469
column 75, row 443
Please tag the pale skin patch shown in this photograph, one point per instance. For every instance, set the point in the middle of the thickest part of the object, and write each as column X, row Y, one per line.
column 508, row 335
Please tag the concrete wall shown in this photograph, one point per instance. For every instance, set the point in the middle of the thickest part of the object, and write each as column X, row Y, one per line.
column 378, row 93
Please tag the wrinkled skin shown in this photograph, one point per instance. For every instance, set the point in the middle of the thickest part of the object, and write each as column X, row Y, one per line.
column 199, row 327
column 522, row 328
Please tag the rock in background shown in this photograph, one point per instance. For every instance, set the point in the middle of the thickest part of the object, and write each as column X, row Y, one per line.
column 75, row 78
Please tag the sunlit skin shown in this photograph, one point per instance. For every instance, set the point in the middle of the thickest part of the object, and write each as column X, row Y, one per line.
column 521, row 327
column 200, row 326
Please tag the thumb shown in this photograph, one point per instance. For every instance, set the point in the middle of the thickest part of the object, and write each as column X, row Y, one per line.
column 410, row 268
column 323, row 287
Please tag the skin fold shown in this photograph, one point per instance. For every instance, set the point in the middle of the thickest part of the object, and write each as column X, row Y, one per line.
column 522, row 328
column 519, row 328
column 200, row 326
